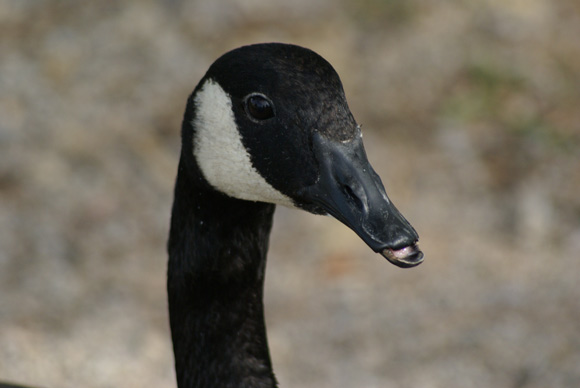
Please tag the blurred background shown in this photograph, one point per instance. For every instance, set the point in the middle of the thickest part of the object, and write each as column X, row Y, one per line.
column 471, row 114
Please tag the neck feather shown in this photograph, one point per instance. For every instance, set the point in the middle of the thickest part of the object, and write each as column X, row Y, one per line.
column 217, row 256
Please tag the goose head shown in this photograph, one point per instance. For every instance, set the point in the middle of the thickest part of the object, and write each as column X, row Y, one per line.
column 270, row 123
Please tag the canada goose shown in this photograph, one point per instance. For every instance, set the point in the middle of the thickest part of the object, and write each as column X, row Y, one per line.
column 267, row 125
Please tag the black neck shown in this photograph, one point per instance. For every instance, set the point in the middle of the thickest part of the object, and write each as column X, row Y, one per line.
column 217, row 257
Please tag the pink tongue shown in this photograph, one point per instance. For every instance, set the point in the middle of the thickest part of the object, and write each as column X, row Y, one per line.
column 402, row 253
column 406, row 257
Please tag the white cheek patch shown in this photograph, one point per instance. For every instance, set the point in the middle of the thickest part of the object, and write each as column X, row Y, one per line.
column 220, row 154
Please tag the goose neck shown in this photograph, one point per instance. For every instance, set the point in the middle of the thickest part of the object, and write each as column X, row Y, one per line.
column 217, row 257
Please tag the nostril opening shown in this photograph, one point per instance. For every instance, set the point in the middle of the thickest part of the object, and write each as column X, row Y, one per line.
column 352, row 197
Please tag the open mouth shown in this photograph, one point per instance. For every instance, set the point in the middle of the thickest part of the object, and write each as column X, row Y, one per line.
column 406, row 257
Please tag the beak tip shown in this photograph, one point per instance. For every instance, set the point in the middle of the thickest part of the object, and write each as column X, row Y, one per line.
column 407, row 257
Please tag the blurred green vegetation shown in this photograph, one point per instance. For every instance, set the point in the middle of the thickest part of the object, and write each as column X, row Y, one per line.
column 502, row 98
column 383, row 14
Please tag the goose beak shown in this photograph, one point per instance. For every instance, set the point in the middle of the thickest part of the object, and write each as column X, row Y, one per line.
column 351, row 191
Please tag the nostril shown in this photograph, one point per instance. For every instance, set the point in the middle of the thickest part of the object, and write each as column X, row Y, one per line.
column 352, row 197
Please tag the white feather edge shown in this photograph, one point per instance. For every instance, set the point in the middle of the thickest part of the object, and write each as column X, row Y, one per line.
column 220, row 153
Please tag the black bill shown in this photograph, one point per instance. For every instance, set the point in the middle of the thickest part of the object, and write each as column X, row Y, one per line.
column 352, row 192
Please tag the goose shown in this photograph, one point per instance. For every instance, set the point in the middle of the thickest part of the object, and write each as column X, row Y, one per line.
column 267, row 125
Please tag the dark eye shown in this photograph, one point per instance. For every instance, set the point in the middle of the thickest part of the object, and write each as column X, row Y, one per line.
column 259, row 107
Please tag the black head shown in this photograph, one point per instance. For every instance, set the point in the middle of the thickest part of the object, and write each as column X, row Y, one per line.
column 270, row 123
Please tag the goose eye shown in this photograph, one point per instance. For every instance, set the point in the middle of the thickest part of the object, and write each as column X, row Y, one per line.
column 259, row 107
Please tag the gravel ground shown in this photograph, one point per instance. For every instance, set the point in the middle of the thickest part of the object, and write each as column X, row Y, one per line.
column 470, row 114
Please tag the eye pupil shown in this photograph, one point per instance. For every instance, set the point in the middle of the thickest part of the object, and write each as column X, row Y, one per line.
column 259, row 107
